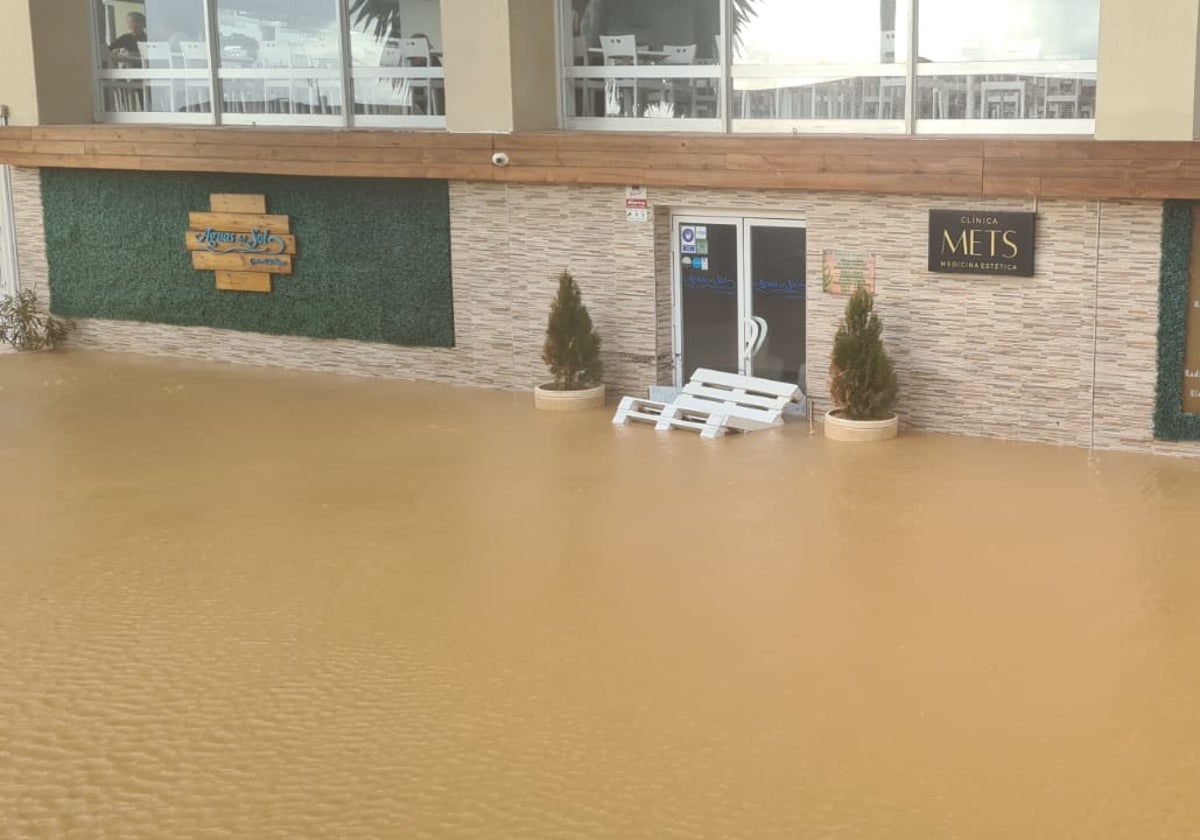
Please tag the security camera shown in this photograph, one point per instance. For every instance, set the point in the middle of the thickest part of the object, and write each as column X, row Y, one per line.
column 500, row 159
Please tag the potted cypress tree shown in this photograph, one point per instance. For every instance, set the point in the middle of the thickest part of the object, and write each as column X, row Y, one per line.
column 862, row 380
column 572, row 353
column 26, row 325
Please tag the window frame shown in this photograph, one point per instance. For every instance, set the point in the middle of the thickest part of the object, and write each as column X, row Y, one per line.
column 345, row 74
column 912, row 70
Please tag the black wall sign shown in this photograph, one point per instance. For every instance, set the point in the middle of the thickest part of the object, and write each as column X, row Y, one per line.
column 981, row 242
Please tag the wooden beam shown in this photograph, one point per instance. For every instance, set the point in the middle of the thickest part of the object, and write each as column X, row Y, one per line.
column 971, row 167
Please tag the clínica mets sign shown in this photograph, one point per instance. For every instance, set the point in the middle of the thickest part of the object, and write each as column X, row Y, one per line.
column 241, row 242
column 981, row 242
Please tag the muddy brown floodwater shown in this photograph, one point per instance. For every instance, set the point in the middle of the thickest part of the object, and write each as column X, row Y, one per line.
column 248, row 603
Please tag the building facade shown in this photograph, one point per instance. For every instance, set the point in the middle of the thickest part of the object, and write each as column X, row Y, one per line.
column 717, row 176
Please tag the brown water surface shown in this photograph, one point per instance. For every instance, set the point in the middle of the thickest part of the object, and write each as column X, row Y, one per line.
column 249, row 603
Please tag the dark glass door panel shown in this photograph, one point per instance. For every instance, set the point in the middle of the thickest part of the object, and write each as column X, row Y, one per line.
column 708, row 257
column 778, row 291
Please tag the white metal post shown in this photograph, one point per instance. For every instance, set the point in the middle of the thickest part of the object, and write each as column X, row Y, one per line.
column 9, row 267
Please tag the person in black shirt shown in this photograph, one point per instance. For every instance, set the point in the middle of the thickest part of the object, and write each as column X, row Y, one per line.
column 136, row 21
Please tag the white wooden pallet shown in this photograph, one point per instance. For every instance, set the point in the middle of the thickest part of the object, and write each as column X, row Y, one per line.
column 712, row 403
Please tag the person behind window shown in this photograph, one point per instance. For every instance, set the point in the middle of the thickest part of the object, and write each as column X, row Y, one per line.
column 128, row 43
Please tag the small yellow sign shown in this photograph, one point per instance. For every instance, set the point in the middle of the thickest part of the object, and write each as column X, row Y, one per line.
column 241, row 242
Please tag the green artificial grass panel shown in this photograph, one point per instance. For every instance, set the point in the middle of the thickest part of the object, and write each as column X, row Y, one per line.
column 372, row 261
column 1170, row 421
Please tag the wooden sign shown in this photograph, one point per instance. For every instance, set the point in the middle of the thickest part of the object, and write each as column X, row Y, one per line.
column 243, row 281
column 262, row 263
column 981, row 242
column 240, row 242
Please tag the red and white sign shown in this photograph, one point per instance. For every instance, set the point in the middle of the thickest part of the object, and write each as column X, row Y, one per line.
column 637, row 206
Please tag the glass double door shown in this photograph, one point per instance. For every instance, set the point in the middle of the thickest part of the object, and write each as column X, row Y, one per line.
column 740, row 294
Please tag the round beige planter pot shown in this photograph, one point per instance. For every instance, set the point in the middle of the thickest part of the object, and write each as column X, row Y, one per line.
column 550, row 400
column 839, row 428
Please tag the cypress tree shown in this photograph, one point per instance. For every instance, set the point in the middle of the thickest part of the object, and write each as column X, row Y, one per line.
column 572, row 348
column 862, row 380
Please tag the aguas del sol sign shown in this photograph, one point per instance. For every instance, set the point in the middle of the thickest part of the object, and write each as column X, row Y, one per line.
column 242, row 244
column 981, row 242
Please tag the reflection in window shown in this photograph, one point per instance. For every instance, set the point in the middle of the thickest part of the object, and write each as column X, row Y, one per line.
column 290, row 47
column 820, row 32
column 1009, row 30
column 654, row 58
column 389, row 44
column 812, row 64
column 153, row 57
column 274, row 61
column 1034, row 59
column 820, row 98
column 652, row 23
column 820, row 35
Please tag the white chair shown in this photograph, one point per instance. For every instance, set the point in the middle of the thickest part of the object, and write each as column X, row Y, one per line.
column 159, row 93
column 276, row 93
column 195, row 57
column 685, row 54
column 415, row 53
column 680, row 89
column 619, row 50
column 386, row 95
column 391, row 55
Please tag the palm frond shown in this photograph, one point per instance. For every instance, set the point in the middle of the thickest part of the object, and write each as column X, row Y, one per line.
column 741, row 13
column 379, row 17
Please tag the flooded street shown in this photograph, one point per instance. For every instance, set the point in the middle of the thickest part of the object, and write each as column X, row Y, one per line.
column 251, row 603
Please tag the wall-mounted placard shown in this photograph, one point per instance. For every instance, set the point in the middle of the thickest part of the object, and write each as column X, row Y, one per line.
column 981, row 242
column 637, row 204
column 843, row 272
column 240, row 242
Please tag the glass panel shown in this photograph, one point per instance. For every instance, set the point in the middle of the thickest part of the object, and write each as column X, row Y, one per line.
column 670, row 34
column 999, row 97
column 652, row 23
column 399, row 96
column 377, row 27
column 670, row 98
column 284, row 54
column 773, row 32
column 847, row 98
column 1009, row 30
column 395, row 36
column 159, row 36
column 1031, row 37
column 778, row 294
column 708, row 296
column 858, row 35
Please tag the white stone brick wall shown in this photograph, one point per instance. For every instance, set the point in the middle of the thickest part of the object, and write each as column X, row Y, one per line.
column 988, row 356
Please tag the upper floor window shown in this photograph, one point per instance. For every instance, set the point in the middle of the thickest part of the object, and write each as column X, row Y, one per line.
column 270, row 62
column 849, row 66
column 1030, row 60
column 651, row 60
